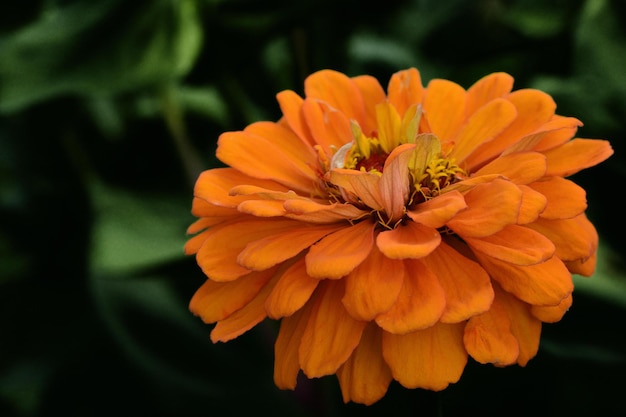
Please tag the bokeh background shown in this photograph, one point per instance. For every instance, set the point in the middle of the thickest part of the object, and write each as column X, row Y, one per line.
column 109, row 109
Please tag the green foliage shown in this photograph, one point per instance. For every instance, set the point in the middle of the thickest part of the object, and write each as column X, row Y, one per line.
column 110, row 109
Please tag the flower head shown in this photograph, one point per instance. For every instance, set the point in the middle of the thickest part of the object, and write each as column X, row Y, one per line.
column 395, row 234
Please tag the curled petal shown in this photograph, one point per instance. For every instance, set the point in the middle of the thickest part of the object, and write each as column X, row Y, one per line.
column 362, row 185
column 431, row 358
column 437, row 211
column 373, row 286
column 337, row 254
column 490, row 207
column 394, row 183
column 517, row 245
column 419, row 304
column 365, row 377
column 409, row 240
column 313, row 212
column 331, row 334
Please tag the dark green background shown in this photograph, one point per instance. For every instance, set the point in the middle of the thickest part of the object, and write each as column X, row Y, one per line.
column 108, row 111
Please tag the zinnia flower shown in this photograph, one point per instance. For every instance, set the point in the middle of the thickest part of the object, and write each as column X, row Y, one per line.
column 394, row 235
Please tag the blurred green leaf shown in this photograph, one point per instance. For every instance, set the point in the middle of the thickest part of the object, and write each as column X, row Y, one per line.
column 133, row 231
column 94, row 48
column 609, row 280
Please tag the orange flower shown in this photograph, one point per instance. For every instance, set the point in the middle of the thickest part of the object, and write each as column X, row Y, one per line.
column 395, row 234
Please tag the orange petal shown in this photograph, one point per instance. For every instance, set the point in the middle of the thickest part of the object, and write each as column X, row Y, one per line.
column 437, row 211
column 282, row 245
column 338, row 90
column 574, row 239
column 576, row 155
column 287, row 360
column 360, row 186
column 292, row 291
column 337, row 254
column 514, row 244
column 547, row 283
column 394, row 183
column 263, row 208
column 215, row 301
column 431, row 358
column 193, row 245
column 389, row 126
column 466, row 285
column 214, row 186
column 444, row 108
column 312, row 212
column 483, row 126
column 329, row 127
column 408, row 240
column 206, row 222
column 267, row 158
column 520, row 168
column 285, row 138
column 488, row 337
column 405, row 89
column 552, row 314
column 373, row 94
column 331, row 334
column 201, row 208
column 565, row 199
column 291, row 106
column 365, row 377
column 419, row 304
column 553, row 134
column 533, row 203
column 490, row 207
column 373, row 286
column 534, row 109
column 525, row 327
column 245, row 318
column 585, row 267
column 218, row 254
column 490, row 87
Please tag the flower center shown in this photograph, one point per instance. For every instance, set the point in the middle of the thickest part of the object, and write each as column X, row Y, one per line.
column 437, row 175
